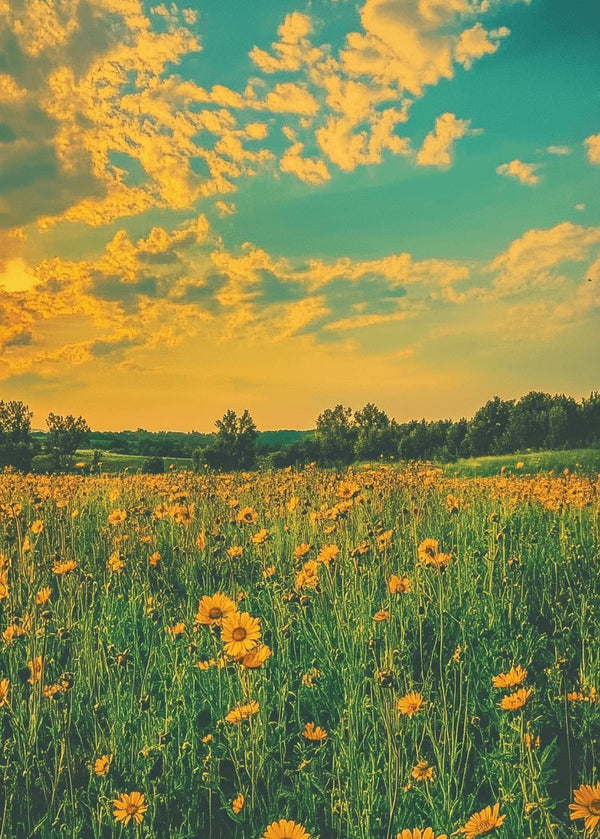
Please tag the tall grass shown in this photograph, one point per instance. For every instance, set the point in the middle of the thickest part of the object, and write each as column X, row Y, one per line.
column 520, row 587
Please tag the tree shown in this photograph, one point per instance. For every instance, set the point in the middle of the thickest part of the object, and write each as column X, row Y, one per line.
column 336, row 435
column 65, row 436
column 374, row 435
column 588, row 420
column 487, row 429
column 234, row 445
column 528, row 424
column 17, row 447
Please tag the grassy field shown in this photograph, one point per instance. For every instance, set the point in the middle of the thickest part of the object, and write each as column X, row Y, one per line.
column 113, row 462
column 361, row 656
column 583, row 461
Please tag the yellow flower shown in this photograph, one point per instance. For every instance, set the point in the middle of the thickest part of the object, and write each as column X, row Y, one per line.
column 301, row 550
column 182, row 513
column 381, row 615
column 268, row 572
column 260, row 537
column 515, row 676
column 61, row 568
column 423, row 771
column 154, row 559
column 453, row 504
column 308, row 577
column 4, row 686
column 175, row 630
column 115, row 564
column 37, row 527
column 234, row 551
column 50, row 691
column 237, row 803
column 309, row 679
column 428, row 554
column 384, row 540
column 328, row 553
column 213, row 609
column 399, row 585
column 411, row 704
column 240, row 632
column 247, row 515
column 256, row 657
column 242, row 712
column 515, row 700
column 35, row 669
column 117, row 517
column 347, row 489
column 587, row 805
column 483, row 822
column 130, row 806
column 43, row 595
column 102, row 765
column 417, row 833
column 284, row 829
column 312, row 732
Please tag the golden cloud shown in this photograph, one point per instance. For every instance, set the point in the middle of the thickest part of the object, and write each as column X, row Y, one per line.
column 437, row 146
column 523, row 172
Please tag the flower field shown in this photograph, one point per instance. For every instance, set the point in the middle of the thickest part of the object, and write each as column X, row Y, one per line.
column 369, row 655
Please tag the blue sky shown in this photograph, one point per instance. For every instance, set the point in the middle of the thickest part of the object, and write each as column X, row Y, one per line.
column 204, row 208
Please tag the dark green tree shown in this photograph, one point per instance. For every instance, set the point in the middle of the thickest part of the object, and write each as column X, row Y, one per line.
column 336, row 435
column 234, row 444
column 65, row 436
column 588, row 420
column 17, row 447
column 374, row 433
column 487, row 429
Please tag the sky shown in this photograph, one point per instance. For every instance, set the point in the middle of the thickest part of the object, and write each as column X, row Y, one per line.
column 283, row 206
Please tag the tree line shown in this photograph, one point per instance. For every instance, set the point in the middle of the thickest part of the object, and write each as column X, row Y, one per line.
column 537, row 421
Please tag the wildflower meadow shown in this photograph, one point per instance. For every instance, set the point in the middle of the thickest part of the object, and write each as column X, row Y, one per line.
column 383, row 653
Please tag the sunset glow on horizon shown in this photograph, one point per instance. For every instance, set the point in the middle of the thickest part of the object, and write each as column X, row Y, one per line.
column 284, row 206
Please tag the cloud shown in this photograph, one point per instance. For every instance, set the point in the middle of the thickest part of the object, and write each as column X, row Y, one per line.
column 225, row 208
column 310, row 170
column 17, row 276
column 534, row 258
column 474, row 43
column 293, row 49
column 523, row 172
column 437, row 146
column 592, row 146
column 10, row 90
column 559, row 150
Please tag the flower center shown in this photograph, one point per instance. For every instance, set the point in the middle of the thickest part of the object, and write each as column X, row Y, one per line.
column 215, row 613
column 131, row 808
column 594, row 807
column 239, row 633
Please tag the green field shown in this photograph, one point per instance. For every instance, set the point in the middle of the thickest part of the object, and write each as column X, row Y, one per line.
column 359, row 656
column 585, row 461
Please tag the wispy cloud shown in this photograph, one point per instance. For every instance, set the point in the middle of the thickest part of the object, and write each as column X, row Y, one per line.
column 523, row 172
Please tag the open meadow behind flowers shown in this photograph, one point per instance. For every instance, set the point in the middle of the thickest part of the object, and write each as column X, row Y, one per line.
column 369, row 655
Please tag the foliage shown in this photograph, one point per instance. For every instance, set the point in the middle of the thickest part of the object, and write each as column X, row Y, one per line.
column 65, row 435
column 17, row 446
column 153, row 466
column 234, row 445
column 336, row 435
